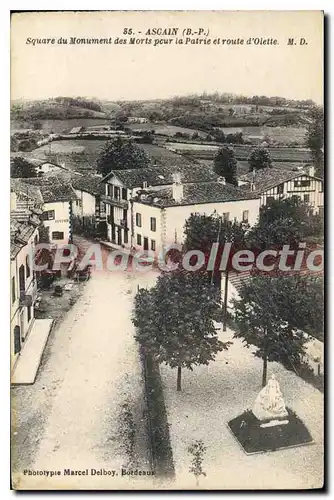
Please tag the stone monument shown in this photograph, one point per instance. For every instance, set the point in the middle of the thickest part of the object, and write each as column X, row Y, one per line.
column 269, row 404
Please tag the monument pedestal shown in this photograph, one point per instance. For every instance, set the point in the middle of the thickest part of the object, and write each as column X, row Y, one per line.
column 257, row 436
column 270, row 425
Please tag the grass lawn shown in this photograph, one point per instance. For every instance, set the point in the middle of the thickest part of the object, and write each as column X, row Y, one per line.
column 212, row 396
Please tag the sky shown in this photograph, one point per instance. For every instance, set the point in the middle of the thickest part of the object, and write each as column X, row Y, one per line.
column 144, row 71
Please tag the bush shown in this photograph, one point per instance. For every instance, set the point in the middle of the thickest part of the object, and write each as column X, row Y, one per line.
column 162, row 455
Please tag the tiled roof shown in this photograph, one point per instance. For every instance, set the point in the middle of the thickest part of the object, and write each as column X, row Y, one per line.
column 163, row 175
column 267, row 178
column 22, row 226
column 25, row 192
column 89, row 183
column 53, row 188
column 195, row 194
column 82, row 182
column 243, row 166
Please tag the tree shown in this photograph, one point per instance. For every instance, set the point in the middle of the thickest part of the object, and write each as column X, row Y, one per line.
column 258, row 159
column 315, row 139
column 225, row 165
column 22, row 168
column 202, row 231
column 283, row 222
column 174, row 321
column 120, row 154
column 263, row 319
column 27, row 144
column 197, row 451
column 14, row 143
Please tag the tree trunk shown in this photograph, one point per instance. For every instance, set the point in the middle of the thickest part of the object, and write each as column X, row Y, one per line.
column 265, row 361
column 225, row 301
column 264, row 373
column 178, row 384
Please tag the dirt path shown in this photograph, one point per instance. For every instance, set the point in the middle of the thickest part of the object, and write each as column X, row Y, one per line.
column 74, row 417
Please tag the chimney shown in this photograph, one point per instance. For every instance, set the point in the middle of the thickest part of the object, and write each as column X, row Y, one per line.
column 252, row 184
column 222, row 180
column 13, row 200
column 311, row 170
column 177, row 187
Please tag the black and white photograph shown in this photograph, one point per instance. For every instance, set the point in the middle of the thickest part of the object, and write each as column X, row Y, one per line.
column 166, row 250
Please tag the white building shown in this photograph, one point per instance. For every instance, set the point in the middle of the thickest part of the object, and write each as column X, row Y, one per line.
column 58, row 198
column 158, row 217
column 275, row 183
column 89, row 189
column 137, row 119
column 122, row 185
column 24, row 236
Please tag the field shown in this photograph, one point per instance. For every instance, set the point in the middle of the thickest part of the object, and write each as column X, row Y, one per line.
column 59, row 126
column 203, row 151
column 164, row 129
column 278, row 135
column 91, row 146
column 78, row 154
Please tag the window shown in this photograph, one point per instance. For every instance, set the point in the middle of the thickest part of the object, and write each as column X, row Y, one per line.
column 27, row 266
column 280, row 189
column 153, row 245
column 226, row 216
column 117, row 193
column 144, row 184
column 245, row 215
column 124, row 194
column 17, row 339
column 138, row 220
column 57, row 235
column 302, row 183
column 22, row 279
column 270, row 199
column 321, row 187
column 29, row 313
column 125, row 217
column 153, row 224
column 126, row 238
column 321, row 211
column 139, row 239
column 48, row 215
column 13, row 290
column 109, row 190
column 306, row 198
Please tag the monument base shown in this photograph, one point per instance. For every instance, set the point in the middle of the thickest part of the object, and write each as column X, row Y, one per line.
column 256, row 436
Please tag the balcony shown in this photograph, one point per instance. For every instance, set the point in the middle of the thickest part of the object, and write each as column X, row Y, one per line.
column 28, row 297
column 114, row 201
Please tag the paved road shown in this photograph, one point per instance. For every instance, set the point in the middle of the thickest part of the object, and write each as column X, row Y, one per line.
column 74, row 416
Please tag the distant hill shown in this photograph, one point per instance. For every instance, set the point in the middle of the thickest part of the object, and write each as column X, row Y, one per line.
column 61, row 108
column 295, row 119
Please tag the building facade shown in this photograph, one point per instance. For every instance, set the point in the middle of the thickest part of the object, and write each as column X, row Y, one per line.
column 24, row 237
column 158, row 221
column 275, row 184
column 122, row 186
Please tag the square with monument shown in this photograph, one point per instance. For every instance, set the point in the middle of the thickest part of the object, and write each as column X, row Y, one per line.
column 270, row 425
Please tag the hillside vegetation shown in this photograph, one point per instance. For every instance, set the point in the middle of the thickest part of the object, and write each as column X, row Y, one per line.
column 59, row 108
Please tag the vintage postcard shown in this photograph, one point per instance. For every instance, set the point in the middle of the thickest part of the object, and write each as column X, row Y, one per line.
column 166, row 257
